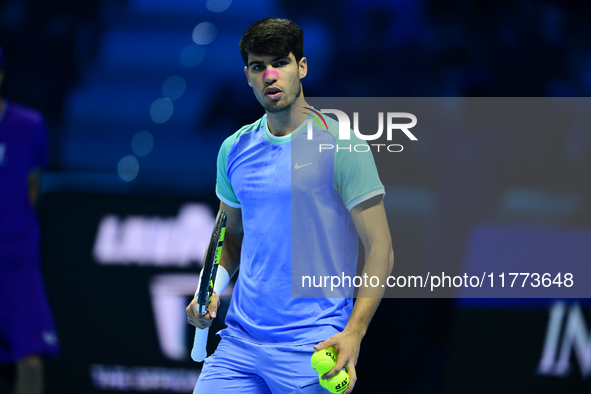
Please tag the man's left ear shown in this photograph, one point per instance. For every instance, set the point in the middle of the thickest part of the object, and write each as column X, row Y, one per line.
column 303, row 66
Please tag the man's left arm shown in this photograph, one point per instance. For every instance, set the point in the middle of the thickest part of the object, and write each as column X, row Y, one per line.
column 371, row 224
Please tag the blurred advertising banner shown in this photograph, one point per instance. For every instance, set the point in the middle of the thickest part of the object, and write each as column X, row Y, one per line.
column 522, row 345
column 120, row 271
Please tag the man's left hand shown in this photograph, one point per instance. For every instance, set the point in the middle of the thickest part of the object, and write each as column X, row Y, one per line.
column 346, row 344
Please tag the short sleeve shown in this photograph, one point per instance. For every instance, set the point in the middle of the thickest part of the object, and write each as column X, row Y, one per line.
column 356, row 175
column 223, row 186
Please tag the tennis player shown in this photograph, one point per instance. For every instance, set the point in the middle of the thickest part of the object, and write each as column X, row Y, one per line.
column 270, row 336
column 26, row 326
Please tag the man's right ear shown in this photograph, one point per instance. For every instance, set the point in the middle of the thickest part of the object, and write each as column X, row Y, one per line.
column 247, row 77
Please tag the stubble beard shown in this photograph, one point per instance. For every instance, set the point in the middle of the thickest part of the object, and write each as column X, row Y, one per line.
column 295, row 93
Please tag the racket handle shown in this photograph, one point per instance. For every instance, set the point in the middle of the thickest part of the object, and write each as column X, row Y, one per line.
column 199, row 352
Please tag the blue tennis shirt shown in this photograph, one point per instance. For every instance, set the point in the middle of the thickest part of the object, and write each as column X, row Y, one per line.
column 295, row 200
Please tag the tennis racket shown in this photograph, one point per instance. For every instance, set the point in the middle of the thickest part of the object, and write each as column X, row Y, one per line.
column 210, row 268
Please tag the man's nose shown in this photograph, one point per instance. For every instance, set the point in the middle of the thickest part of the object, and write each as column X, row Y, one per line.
column 270, row 76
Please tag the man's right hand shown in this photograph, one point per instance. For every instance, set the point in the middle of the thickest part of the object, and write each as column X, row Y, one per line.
column 203, row 321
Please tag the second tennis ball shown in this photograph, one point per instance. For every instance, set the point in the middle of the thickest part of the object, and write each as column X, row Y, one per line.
column 337, row 384
column 324, row 360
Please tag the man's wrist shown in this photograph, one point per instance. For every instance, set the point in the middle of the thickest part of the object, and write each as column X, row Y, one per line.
column 222, row 278
column 358, row 330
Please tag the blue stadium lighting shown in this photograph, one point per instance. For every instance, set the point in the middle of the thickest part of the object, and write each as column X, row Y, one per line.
column 161, row 110
column 192, row 55
column 142, row 143
column 174, row 87
column 128, row 168
column 204, row 33
column 218, row 5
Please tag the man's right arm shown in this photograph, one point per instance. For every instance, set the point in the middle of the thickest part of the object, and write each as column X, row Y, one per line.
column 230, row 260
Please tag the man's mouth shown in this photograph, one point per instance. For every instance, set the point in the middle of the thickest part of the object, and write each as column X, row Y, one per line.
column 273, row 93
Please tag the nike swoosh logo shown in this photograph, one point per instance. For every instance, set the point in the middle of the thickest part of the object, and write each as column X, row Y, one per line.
column 297, row 166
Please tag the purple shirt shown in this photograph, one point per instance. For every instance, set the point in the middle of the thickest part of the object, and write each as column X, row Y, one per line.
column 23, row 148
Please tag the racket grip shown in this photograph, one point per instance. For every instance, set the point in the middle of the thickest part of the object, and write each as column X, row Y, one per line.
column 199, row 352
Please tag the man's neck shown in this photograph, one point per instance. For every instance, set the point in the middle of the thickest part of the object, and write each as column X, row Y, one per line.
column 285, row 122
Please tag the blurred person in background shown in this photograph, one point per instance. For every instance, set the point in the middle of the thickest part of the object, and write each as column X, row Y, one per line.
column 26, row 326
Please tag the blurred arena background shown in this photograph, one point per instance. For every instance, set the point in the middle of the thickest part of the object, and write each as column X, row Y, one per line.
column 138, row 96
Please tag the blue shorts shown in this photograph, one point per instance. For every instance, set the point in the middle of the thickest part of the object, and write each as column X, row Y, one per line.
column 240, row 366
column 26, row 324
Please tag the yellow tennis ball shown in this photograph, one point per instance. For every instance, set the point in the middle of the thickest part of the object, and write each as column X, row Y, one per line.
column 337, row 384
column 324, row 360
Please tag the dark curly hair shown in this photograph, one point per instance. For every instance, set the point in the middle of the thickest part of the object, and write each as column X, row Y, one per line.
column 273, row 36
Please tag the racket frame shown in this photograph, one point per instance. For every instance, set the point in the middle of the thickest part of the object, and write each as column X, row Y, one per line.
column 211, row 263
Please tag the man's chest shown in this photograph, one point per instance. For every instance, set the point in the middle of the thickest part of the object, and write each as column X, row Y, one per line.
column 261, row 173
column 281, row 171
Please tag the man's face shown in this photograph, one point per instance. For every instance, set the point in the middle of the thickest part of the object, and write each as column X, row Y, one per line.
column 277, row 92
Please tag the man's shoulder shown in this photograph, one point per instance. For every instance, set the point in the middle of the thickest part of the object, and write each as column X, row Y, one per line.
column 244, row 131
column 23, row 114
